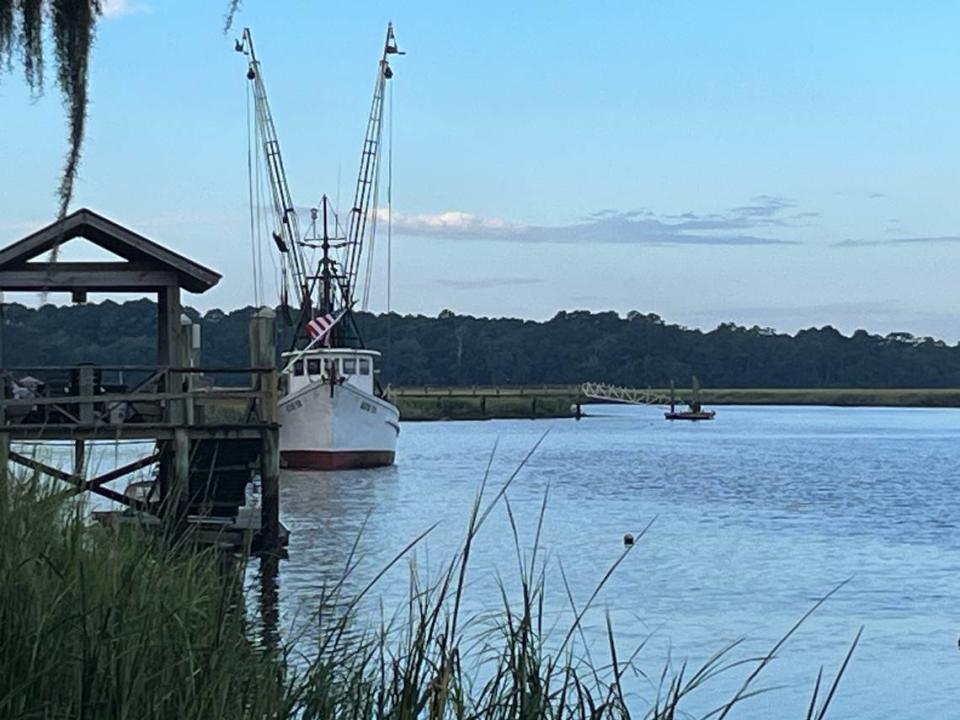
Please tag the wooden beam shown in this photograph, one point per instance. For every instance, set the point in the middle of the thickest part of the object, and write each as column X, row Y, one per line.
column 143, row 397
column 133, row 431
column 76, row 482
column 54, row 278
column 119, row 472
column 114, row 238
column 53, row 472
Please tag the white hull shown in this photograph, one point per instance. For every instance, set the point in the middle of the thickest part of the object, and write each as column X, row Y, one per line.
column 326, row 426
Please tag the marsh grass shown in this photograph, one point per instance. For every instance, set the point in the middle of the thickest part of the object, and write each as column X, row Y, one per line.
column 104, row 624
column 440, row 407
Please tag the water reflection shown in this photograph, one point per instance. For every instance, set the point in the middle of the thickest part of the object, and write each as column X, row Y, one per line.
column 757, row 515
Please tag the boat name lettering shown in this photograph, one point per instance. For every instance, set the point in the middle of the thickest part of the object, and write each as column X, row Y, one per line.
column 368, row 407
column 295, row 405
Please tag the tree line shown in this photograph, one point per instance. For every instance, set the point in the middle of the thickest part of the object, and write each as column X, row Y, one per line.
column 639, row 349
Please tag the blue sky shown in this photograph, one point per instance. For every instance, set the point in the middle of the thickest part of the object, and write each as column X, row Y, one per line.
column 785, row 164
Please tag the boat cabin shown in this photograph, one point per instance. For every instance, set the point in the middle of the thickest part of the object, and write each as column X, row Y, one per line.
column 348, row 365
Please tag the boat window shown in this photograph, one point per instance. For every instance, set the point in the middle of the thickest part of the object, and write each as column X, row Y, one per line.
column 313, row 367
column 349, row 366
column 298, row 368
column 364, row 366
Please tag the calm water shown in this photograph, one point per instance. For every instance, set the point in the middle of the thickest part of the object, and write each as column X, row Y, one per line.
column 756, row 515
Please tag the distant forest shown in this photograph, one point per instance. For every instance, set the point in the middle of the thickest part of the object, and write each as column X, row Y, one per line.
column 638, row 350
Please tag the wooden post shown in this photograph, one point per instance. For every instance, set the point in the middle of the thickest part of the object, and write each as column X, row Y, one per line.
column 181, row 473
column 4, row 465
column 270, row 490
column 185, row 340
column 168, row 341
column 263, row 355
column 79, row 458
column 86, row 389
column 261, row 338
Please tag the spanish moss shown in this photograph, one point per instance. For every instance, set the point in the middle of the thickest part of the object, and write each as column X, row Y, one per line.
column 74, row 22
column 31, row 42
column 72, row 26
column 231, row 11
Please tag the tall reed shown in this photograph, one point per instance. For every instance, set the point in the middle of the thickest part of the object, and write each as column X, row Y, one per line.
column 96, row 623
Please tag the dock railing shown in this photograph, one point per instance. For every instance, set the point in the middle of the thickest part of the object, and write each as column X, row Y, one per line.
column 91, row 400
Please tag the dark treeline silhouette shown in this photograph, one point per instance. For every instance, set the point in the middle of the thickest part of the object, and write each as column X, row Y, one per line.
column 637, row 350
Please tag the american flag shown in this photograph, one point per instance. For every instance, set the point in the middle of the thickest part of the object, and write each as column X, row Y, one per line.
column 320, row 326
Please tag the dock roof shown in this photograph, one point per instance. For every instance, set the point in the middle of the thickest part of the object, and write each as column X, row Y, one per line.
column 148, row 265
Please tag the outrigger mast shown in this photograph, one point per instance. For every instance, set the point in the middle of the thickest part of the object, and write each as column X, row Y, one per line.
column 361, row 224
column 336, row 278
column 286, row 234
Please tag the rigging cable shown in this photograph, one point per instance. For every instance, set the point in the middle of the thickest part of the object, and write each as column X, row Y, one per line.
column 390, row 200
column 372, row 229
column 390, row 220
column 279, row 274
column 253, row 234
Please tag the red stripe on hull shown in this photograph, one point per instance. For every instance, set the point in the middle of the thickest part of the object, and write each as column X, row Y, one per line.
column 328, row 460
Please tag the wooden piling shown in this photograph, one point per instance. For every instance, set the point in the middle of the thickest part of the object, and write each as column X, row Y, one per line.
column 263, row 355
column 270, row 491
column 79, row 458
column 86, row 387
column 4, row 463
column 180, row 492
column 185, row 360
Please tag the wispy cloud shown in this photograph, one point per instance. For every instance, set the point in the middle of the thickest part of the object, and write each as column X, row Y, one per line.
column 489, row 283
column 639, row 227
column 935, row 240
column 451, row 222
column 117, row 8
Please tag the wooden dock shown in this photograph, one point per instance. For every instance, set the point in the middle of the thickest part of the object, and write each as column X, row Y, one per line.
column 203, row 464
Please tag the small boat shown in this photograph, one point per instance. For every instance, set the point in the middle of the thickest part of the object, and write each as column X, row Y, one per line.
column 694, row 411
column 239, row 530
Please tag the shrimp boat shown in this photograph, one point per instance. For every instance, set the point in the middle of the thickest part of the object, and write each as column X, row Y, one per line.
column 332, row 412
column 333, row 415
